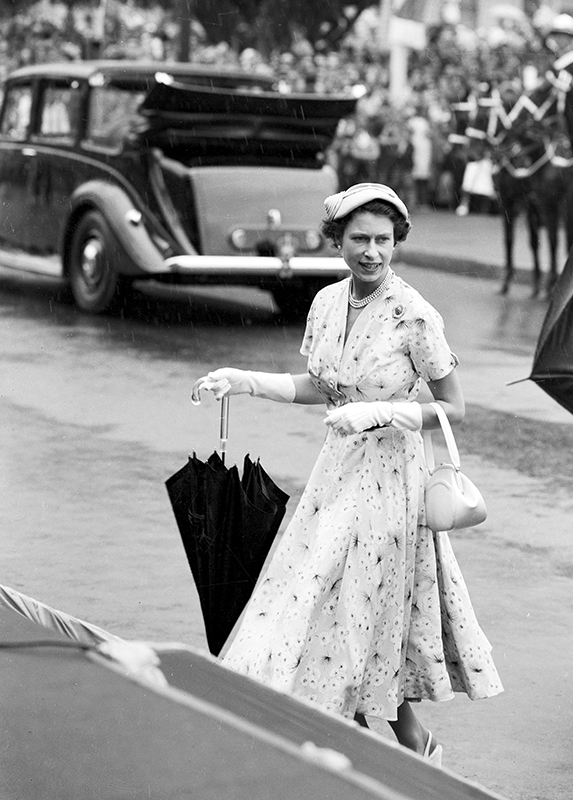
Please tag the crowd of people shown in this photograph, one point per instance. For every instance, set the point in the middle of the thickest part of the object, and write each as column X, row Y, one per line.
column 407, row 144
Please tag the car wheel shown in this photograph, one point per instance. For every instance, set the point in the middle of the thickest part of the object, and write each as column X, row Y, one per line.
column 93, row 278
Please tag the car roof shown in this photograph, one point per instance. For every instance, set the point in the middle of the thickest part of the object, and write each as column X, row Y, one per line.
column 137, row 69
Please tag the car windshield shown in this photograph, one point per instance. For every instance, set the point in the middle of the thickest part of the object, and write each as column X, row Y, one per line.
column 113, row 114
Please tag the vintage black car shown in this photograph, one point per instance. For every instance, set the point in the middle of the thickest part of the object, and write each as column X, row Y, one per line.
column 112, row 172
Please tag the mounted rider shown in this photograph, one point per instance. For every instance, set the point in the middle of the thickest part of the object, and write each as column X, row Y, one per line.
column 559, row 38
column 526, row 134
column 559, row 41
column 526, row 129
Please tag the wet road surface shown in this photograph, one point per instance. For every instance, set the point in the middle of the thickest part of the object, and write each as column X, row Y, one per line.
column 96, row 415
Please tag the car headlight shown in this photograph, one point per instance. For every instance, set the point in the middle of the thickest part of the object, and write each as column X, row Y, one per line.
column 239, row 239
column 312, row 239
column 164, row 77
column 133, row 216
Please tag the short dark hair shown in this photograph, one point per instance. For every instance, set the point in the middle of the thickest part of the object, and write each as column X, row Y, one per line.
column 333, row 229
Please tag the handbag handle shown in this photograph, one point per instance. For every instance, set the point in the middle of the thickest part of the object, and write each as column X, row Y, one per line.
column 448, row 436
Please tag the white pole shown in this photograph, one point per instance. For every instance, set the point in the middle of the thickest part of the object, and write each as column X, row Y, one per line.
column 99, row 22
column 384, row 14
column 398, row 73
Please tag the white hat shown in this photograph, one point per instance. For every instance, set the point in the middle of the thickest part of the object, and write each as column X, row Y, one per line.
column 341, row 204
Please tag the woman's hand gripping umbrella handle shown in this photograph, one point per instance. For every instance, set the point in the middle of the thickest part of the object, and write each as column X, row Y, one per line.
column 203, row 383
column 227, row 381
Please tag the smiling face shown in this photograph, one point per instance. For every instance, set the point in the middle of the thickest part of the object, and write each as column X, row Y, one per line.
column 367, row 248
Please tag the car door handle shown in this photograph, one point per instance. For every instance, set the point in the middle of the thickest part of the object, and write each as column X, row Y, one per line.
column 29, row 152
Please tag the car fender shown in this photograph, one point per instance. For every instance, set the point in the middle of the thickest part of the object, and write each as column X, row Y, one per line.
column 138, row 255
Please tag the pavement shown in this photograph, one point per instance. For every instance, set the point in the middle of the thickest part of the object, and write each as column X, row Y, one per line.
column 471, row 245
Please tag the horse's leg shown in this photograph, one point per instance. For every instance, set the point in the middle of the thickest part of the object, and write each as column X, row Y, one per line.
column 534, row 224
column 568, row 208
column 508, row 214
column 568, row 226
column 552, row 223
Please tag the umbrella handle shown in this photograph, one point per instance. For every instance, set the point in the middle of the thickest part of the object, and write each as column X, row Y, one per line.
column 224, row 429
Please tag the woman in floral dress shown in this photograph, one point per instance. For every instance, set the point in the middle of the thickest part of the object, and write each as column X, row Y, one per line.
column 363, row 609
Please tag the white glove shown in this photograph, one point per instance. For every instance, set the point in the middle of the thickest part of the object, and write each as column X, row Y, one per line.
column 407, row 416
column 358, row 417
column 228, row 381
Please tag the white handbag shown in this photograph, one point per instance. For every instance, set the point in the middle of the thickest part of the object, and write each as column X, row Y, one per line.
column 452, row 500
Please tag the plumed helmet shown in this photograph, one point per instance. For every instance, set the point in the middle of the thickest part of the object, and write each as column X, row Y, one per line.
column 563, row 23
column 559, row 37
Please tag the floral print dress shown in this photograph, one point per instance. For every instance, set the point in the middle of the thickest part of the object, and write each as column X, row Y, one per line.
column 362, row 606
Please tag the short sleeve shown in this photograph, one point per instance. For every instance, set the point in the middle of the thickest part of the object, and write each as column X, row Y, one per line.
column 319, row 314
column 429, row 350
column 306, row 345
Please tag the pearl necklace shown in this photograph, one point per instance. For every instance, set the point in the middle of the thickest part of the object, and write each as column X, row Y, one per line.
column 373, row 295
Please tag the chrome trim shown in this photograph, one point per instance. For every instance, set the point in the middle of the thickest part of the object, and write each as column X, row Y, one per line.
column 268, row 266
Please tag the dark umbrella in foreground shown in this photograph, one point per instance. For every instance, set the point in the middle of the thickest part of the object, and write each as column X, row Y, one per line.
column 227, row 524
column 552, row 367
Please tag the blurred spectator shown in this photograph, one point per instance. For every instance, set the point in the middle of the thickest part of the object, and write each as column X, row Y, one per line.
column 250, row 60
column 365, row 151
column 421, row 139
column 478, row 191
column 358, row 151
column 341, row 153
column 447, row 190
column 397, row 154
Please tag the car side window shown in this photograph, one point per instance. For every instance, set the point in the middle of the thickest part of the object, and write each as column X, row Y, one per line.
column 17, row 113
column 60, row 111
column 112, row 115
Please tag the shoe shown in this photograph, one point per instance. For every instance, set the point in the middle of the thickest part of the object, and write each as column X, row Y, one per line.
column 434, row 755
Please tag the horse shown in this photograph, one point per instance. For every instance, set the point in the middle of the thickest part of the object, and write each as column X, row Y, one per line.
column 533, row 167
column 527, row 180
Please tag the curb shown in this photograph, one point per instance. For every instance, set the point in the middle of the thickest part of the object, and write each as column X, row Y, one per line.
column 459, row 266
column 472, row 246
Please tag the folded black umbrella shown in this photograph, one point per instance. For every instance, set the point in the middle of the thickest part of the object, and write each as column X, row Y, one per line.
column 227, row 525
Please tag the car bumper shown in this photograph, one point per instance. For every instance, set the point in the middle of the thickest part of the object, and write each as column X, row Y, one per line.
column 237, row 267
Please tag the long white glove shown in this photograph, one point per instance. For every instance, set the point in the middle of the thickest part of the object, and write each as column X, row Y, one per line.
column 358, row 417
column 227, row 381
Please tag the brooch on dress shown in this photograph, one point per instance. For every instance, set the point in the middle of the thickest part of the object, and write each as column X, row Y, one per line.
column 398, row 311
